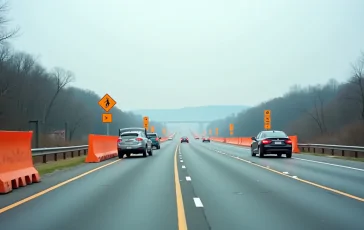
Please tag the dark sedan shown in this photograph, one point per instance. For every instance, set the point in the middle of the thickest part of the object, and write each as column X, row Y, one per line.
column 271, row 142
column 184, row 139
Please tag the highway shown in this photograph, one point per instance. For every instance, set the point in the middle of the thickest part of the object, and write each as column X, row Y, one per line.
column 194, row 186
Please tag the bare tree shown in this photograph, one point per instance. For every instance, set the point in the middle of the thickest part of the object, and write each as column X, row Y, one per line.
column 5, row 33
column 317, row 112
column 358, row 81
column 62, row 79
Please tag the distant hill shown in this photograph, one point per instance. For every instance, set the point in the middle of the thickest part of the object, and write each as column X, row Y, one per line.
column 201, row 113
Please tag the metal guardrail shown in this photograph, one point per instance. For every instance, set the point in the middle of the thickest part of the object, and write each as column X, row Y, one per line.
column 69, row 151
column 343, row 150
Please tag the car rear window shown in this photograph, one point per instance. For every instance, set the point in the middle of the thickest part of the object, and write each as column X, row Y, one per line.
column 129, row 135
column 152, row 135
column 275, row 134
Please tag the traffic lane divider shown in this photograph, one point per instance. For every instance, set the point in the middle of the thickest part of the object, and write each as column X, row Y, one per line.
column 246, row 141
column 101, row 148
column 16, row 163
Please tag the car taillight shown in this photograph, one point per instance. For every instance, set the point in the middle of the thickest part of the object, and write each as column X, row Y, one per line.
column 156, row 139
column 265, row 142
column 138, row 139
column 288, row 142
column 119, row 140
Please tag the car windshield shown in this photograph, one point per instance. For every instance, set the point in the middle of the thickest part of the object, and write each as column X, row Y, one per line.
column 276, row 135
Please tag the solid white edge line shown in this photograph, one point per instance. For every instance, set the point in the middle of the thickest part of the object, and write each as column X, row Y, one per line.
column 285, row 172
column 188, row 178
column 183, row 166
column 325, row 163
column 198, row 202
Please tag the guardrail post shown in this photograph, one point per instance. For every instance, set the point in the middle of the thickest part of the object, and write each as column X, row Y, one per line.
column 72, row 154
column 79, row 153
column 55, row 157
column 64, row 156
column 342, row 153
column 44, row 159
column 322, row 150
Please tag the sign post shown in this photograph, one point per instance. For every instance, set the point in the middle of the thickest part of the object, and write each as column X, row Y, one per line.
column 210, row 132
column 146, row 123
column 231, row 128
column 217, row 131
column 152, row 129
column 267, row 120
column 107, row 103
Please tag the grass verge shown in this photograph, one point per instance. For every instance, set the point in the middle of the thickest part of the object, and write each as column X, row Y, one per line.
column 335, row 157
column 52, row 166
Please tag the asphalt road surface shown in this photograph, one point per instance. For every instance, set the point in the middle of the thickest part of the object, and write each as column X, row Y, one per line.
column 194, row 186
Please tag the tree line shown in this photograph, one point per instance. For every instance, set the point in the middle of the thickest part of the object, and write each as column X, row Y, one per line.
column 332, row 113
column 29, row 93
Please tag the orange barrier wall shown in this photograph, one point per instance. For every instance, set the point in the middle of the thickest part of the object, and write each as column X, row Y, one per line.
column 246, row 141
column 16, row 162
column 101, row 147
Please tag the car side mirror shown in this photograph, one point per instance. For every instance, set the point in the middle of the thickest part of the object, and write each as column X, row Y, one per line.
column 254, row 139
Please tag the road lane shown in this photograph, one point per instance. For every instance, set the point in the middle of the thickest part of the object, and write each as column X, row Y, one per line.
column 238, row 195
column 343, row 179
column 134, row 193
column 57, row 177
column 329, row 160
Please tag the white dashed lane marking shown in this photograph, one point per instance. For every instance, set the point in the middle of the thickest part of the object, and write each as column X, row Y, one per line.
column 188, row 178
column 181, row 161
column 183, row 166
column 198, row 202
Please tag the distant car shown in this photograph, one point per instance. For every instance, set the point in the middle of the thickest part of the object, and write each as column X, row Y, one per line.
column 271, row 142
column 197, row 138
column 134, row 142
column 155, row 140
column 206, row 139
column 184, row 139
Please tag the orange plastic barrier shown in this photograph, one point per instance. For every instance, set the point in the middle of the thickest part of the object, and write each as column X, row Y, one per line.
column 246, row 141
column 101, row 147
column 16, row 162
column 294, row 140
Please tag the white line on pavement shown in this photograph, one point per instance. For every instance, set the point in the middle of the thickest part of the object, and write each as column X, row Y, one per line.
column 198, row 202
column 319, row 162
column 183, row 166
column 188, row 178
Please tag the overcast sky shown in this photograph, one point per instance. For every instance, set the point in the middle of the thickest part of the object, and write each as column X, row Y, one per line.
column 170, row 54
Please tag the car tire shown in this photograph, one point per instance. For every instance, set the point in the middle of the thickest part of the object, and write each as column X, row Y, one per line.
column 289, row 155
column 260, row 151
column 252, row 151
column 150, row 152
column 120, row 154
column 158, row 147
column 145, row 151
column 279, row 155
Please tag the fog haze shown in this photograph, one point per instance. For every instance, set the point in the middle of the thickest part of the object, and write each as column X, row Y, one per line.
column 192, row 53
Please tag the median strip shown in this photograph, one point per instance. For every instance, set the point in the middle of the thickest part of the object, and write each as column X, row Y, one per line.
column 52, row 166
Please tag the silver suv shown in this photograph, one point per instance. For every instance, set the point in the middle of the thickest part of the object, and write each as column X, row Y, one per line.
column 134, row 142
